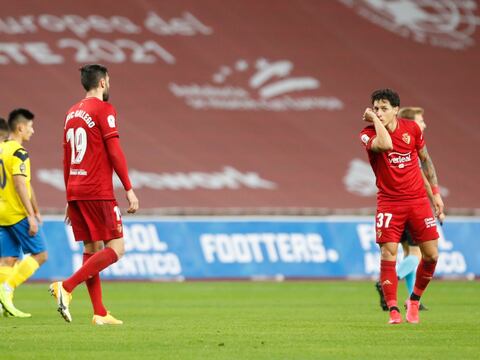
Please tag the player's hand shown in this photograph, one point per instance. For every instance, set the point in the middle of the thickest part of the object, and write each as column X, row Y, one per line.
column 66, row 220
column 369, row 115
column 441, row 218
column 33, row 226
column 132, row 202
column 39, row 218
column 438, row 205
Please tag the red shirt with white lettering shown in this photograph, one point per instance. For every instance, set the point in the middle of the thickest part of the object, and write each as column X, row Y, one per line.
column 397, row 172
column 87, row 168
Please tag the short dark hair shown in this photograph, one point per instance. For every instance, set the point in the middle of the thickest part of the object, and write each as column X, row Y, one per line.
column 91, row 74
column 3, row 125
column 18, row 115
column 386, row 94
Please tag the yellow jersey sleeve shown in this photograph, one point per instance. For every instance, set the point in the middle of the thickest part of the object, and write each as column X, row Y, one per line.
column 20, row 165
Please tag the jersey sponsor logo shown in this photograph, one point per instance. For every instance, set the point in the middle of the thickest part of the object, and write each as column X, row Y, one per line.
column 267, row 85
column 21, row 154
column 440, row 23
column 111, row 121
column 379, row 234
column 23, row 168
column 399, row 159
column 406, row 138
column 365, row 138
column 79, row 172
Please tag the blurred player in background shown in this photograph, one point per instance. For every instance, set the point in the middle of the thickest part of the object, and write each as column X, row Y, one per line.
column 394, row 146
column 91, row 152
column 3, row 130
column 19, row 213
column 412, row 255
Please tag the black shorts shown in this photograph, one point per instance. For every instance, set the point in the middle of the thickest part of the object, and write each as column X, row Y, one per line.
column 407, row 237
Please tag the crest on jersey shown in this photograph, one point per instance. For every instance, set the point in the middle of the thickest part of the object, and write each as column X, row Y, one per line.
column 379, row 234
column 365, row 138
column 111, row 121
column 23, row 168
column 406, row 138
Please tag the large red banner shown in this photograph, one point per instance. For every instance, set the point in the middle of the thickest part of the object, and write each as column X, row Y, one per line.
column 248, row 104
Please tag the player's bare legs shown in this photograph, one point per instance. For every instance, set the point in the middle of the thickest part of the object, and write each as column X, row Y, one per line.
column 425, row 272
column 389, row 280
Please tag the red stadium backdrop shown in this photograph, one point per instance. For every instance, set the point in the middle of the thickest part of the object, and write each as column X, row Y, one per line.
column 248, row 104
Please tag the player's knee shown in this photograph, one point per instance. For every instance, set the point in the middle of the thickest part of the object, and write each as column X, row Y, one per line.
column 431, row 257
column 388, row 253
column 119, row 250
column 41, row 257
column 8, row 261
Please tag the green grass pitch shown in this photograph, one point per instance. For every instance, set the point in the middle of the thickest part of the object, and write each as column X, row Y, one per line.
column 245, row 320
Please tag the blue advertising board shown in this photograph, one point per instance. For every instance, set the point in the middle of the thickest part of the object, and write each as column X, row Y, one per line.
column 254, row 247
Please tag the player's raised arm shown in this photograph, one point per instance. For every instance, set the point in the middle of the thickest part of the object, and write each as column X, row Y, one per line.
column 382, row 141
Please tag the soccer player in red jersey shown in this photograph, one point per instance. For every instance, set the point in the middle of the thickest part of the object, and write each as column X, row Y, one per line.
column 394, row 146
column 91, row 152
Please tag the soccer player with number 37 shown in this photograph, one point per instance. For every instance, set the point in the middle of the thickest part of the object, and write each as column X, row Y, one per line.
column 394, row 146
column 91, row 152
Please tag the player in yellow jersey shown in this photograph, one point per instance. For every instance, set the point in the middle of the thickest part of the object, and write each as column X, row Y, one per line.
column 3, row 130
column 19, row 215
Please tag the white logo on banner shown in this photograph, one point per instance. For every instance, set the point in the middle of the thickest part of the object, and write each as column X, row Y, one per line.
column 450, row 261
column 442, row 23
column 266, row 247
column 270, row 87
column 360, row 179
column 227, row 178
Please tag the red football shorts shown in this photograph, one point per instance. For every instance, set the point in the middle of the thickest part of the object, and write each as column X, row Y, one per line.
column 392, row 217
column 95, row 220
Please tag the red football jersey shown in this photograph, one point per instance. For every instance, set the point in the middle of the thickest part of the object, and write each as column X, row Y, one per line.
column 88, row 170
column 398, row 174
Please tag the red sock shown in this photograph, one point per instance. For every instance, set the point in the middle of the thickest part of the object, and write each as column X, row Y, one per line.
column 94, row 287
column 425, row 272
column 92, row 267
column 388, row 278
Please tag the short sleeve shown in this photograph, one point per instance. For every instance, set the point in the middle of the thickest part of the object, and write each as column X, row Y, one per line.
column 419, row 140
column 19, row 162
column 108, row 121
column 366, row 137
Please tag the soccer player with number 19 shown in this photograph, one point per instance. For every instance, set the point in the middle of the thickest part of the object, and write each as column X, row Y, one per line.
column 91, row 152
column 394, row 146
